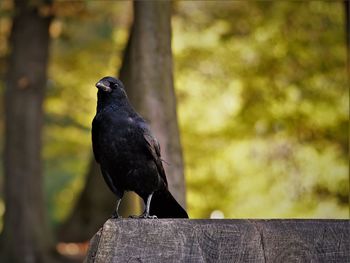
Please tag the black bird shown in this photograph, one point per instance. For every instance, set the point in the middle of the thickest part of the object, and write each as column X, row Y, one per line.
column 128, row 153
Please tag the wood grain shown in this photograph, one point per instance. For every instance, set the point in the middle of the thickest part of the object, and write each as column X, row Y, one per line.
column 182, row 240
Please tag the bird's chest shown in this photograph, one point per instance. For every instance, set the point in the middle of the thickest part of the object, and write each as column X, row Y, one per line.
column 119, row 139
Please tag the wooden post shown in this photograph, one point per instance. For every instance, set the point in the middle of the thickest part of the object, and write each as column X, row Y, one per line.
column 183, row 240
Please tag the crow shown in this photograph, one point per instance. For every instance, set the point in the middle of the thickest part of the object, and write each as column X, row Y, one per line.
column 128, row 153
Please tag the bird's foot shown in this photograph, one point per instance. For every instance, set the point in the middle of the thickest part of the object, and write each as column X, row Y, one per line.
column 115, row 215
column 144, row 216
column 149, row 217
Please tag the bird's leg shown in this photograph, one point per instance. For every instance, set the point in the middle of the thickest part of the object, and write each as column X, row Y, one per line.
column 115, row 214
column 148, row 204
column 146, row 214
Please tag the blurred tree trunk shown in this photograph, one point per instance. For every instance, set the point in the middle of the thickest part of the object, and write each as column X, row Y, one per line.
column 151, row 86
column 147, row 74
column 25, row 236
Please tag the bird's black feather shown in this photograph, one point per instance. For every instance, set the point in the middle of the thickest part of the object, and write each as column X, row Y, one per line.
column 128, row 153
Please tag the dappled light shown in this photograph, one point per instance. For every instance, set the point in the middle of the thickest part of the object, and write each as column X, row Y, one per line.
column 263, row 112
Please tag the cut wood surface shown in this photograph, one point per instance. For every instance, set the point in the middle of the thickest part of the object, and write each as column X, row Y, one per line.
column 183, row 240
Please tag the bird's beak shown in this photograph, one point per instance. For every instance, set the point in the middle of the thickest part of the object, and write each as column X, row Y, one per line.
column 101, row 85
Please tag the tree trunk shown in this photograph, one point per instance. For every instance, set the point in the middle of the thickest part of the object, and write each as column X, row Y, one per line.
column 151, row 88
column 25, row 236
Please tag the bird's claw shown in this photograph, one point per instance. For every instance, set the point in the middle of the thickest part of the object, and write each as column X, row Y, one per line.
column 150, row 217
column 115, row 216
column 143, row 216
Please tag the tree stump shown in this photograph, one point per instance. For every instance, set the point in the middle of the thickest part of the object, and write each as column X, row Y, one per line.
column 183, row 240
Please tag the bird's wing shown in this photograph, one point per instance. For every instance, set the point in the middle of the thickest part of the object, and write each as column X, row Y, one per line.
column 154, row 148
column 110, row 183
column 94, row 136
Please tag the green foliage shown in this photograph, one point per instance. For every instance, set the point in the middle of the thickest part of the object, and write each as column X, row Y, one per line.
column 263, row 108
column 262, row 103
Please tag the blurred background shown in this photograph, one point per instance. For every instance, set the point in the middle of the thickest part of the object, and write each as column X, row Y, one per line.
column 261, row 120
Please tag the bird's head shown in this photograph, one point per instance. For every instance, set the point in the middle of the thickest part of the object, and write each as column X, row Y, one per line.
column 109, row 85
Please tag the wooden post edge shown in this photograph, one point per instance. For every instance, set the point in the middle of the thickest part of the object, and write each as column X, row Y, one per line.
column 183, row 240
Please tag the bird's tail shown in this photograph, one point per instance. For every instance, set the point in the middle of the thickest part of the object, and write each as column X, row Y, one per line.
column 164, row 205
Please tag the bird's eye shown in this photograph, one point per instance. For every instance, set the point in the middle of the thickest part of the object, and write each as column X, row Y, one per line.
column 115, row 85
